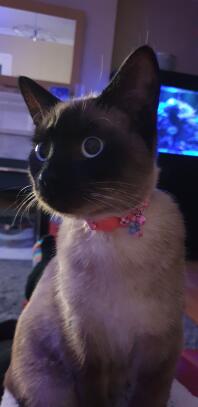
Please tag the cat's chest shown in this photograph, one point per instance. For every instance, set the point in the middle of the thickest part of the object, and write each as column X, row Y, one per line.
column 118, row 313
column 112, row 291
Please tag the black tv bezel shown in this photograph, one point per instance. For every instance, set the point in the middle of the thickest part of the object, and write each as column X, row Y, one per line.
column 179, row 80
column 179, row 172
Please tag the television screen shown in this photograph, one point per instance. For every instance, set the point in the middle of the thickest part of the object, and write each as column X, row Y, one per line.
column 60, row 92
column 178, row 121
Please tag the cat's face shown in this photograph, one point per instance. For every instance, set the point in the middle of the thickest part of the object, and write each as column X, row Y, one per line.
column 96, row 155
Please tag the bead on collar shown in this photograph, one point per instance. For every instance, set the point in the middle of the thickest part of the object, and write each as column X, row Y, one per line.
column 133, row 221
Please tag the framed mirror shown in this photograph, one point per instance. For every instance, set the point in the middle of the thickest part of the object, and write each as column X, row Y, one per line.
column 41, row 41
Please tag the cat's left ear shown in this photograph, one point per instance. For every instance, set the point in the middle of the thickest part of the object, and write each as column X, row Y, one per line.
column 135, row 91
column 38, row 100
column 136, row 80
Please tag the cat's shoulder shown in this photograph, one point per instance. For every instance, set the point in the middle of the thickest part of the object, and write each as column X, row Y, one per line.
column 166, row 214
column 166, row 203
column 34, row 317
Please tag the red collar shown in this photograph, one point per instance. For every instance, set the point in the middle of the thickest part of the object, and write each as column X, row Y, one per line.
column 134, row 221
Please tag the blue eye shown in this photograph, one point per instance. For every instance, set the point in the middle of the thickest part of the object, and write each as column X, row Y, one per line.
column 43, row 151
column 92, row 147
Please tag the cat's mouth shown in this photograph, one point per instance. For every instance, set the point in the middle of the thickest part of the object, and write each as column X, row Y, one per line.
column 74, row 203
column 80, row 201
column 77, row 204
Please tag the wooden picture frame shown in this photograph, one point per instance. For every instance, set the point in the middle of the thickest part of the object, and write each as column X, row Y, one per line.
column 56, row 11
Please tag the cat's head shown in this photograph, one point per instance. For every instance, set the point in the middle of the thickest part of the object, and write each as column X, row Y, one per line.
column 96, row 155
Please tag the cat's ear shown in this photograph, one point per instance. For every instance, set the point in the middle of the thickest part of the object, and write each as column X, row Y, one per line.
column 135, row 91
column 136, row 82
column 38, row 100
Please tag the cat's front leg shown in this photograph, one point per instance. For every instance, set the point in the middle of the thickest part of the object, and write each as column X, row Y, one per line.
column 46, row 398
column 46, row 387
column 153, row 387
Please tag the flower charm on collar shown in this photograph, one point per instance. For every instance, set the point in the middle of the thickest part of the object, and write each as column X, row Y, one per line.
column 134, row 222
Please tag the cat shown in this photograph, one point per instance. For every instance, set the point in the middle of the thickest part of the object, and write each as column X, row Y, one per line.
column 104, row 325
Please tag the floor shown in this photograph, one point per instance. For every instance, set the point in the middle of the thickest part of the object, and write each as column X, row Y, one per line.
column 13, row 276
column 14, row 273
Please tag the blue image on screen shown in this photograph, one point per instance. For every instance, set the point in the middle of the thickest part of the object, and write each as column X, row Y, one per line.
column 60, row 92
column 178, row 121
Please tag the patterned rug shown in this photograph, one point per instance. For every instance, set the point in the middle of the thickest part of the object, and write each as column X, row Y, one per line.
column 13, row 277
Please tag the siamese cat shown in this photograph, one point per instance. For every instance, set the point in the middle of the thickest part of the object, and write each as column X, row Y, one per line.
column 104, row 325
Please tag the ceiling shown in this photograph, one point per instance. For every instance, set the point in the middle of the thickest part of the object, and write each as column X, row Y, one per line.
column 60, row 29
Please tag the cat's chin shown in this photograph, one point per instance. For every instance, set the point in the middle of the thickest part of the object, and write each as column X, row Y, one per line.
column 81, row 212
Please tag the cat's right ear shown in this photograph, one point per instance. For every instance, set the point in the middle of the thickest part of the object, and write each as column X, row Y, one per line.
column 38, row 100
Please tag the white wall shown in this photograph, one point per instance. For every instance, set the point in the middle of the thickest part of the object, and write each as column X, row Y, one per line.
column 16, row 127
column 38, row 60
column 99, row 35
column 172, row 26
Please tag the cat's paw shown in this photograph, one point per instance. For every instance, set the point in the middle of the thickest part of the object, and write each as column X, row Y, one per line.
column 181, row 397
column 8, row 400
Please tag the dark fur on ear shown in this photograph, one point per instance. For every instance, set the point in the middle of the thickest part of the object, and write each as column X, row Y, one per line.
column 135, row 90
column 38, row 100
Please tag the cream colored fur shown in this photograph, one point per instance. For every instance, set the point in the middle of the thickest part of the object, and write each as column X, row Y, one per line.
column 180, row 397
column 120, row 286
column 116, row 298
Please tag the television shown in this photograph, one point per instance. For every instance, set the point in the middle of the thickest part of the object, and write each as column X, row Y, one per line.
column 178, row 121
column 178, row 148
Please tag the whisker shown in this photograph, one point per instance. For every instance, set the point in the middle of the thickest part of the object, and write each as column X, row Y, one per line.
column 107, row 119
column 123, row 186
column 27, row 209
column 54, row 216
column 118, row 202
column 26, row 200
column 84, row 104
column 13, row 204
column 117, row 191
column 23, row 190
column 105, row 204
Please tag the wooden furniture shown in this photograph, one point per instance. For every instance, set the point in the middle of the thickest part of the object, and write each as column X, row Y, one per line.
column 187, row 368
column 192, row 291
column 57, row 11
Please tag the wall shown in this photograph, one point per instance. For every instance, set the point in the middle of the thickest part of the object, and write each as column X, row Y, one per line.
column 171, row 26
column 99, row 35
column 98, row 44
column 16, row 127
column 38, row 60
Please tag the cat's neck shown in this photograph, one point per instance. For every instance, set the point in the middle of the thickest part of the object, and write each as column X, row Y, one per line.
column 133, row 220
